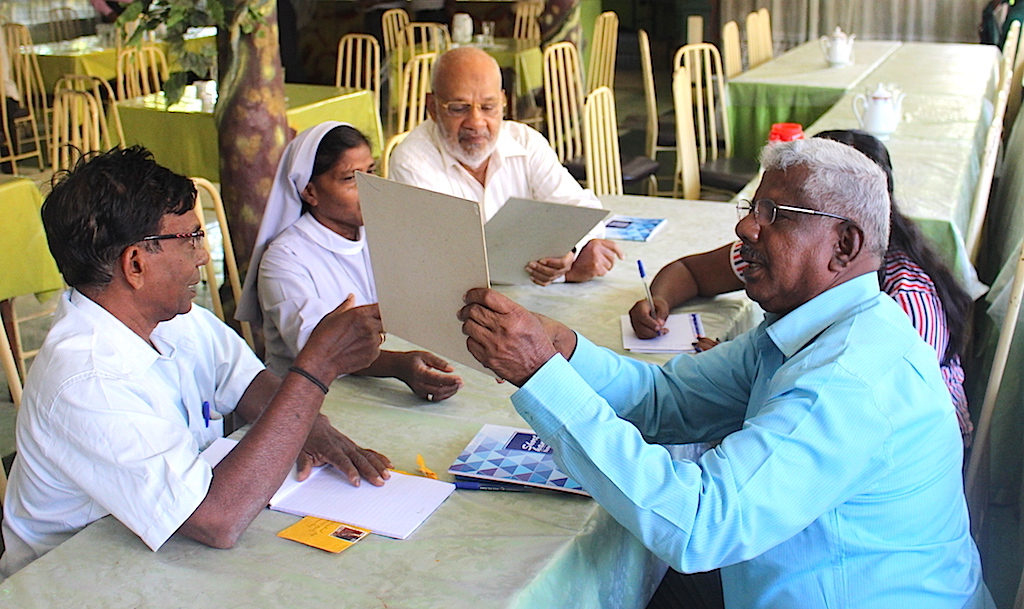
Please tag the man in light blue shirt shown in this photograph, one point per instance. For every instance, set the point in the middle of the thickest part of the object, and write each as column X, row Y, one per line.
column 838, row 483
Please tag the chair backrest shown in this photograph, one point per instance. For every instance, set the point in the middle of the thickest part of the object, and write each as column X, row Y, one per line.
column 527, row 21
column 755, row 41
column 709, row 102
column 767, row 38
column 732, row 56
column 141, row 70
column 601, row 70
column 419, row 38
column 385, row 157
column 412, row 101
column 393, row 21
column 230, row 267
column 1016, row 77
column 75, row 128
column 111, row 131
column 29, row 81
column 63, row 23
column 601, row 143
column 694, row 29
column 687, row 173
column 563, row 99
column 359, row 64
column 650, row 94
column 10, row 370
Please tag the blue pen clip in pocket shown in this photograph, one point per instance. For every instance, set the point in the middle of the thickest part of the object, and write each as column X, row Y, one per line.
column 210, row 414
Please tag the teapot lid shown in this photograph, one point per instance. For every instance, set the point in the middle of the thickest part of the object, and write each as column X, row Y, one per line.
column 838, row 33
column 881, row 93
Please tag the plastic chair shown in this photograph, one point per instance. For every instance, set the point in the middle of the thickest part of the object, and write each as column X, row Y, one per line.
column 527, row 22
column 767, row 38
column 732, row 56
column 563, row 100
column 601, row 143
column 141, row 70
column 359, row 64
column 7, row 360
column 393, row 22
column 601, row 70
column 104, row 95
column 694, row 29
column 389, row 147
column 412, row 102
column 659, row 138
column 29, row 82
column 231, row 274
column 75, row 128
column 63, row 23
column 419, row 38
column 711, row 120
column 1016, row 76
column 686, row 179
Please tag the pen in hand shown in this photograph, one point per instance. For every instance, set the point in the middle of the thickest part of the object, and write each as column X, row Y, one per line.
column 647, row 290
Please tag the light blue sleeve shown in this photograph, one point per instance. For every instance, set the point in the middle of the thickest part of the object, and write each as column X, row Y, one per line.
column 742, row 498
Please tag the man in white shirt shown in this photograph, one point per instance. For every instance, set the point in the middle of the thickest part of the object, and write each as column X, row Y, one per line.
column 466, row 150
column 132, row 379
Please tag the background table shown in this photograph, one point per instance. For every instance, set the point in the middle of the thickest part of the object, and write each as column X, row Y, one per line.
column 796, row 87
column 478, row 550
column 86, row 56
column 26, row 266
column 184, row 136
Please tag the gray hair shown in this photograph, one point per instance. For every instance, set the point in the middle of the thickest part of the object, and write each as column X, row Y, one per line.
column 441, row 65
column 841, row 181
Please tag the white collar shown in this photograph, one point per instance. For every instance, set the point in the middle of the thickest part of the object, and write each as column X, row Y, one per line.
column 328, row 239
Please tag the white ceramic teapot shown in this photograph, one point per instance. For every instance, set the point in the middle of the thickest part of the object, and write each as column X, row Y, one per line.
column 838, row 48
column 462, row 28
column 879, row 113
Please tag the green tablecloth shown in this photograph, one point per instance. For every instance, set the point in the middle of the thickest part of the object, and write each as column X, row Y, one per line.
column 26, row 266
column 85, row 56
column 479, row 550
column 184, row 136
column 797, row 87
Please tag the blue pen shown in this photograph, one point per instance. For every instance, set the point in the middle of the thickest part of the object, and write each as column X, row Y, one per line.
column 471, row 485
column 206, row 413
column 647, row 288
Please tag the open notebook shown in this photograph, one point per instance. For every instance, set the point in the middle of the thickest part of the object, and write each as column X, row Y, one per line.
column 393, row 510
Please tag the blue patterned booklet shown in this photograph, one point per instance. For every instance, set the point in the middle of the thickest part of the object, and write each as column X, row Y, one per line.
column 518, row 456
column 629, row 228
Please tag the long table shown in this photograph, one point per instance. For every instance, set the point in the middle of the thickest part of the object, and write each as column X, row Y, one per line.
column 86, row 55
column 184, row 137
column 478, row 550
column 797, row 87
column 936, row 149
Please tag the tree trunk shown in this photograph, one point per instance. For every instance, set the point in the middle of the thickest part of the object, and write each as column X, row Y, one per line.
column 251, row 122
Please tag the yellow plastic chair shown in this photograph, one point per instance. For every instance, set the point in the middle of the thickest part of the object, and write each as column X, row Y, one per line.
column 141, row 70
column 563, row 99
column 111, row 131
column 601, row 143
column 231, row 274
column 767, row 38
column 658, row 139
column 412, row 102
column 694, row 29
column 732, row 56
column 389, row 147
column 75, row 129
column 601, row 71
column 393, row 22
column 359, row 64
column 686, row 180
column 711, row 120
column 755, row 41
column 527, row 22
column 29, row 81
column 1016, row 77
column 419, row 38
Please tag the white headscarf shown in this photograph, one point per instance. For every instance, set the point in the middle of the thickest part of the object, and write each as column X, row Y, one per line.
column 284, row 207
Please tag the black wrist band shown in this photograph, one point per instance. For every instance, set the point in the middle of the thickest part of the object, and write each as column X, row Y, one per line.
column 310, row 377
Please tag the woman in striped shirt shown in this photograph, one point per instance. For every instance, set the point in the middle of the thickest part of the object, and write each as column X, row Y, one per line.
column 911, row 273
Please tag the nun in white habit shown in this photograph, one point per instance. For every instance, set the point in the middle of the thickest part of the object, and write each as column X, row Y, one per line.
column 311, row 254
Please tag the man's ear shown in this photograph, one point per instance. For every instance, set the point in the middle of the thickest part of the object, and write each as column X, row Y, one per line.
column 133, row 265
column 431, row 108
column 849, row 245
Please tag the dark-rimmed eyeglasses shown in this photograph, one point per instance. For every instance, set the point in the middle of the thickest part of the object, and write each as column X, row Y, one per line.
column 765, row 211
column 461, row 109
column 195, row 237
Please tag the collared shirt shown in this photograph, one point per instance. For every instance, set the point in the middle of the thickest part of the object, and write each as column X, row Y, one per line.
column 108, row 425
column 523, row 165
column 915, row 292
column 306, row 272
column 838, row 484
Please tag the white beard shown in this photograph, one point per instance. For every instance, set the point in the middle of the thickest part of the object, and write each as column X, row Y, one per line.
column 472, row 160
